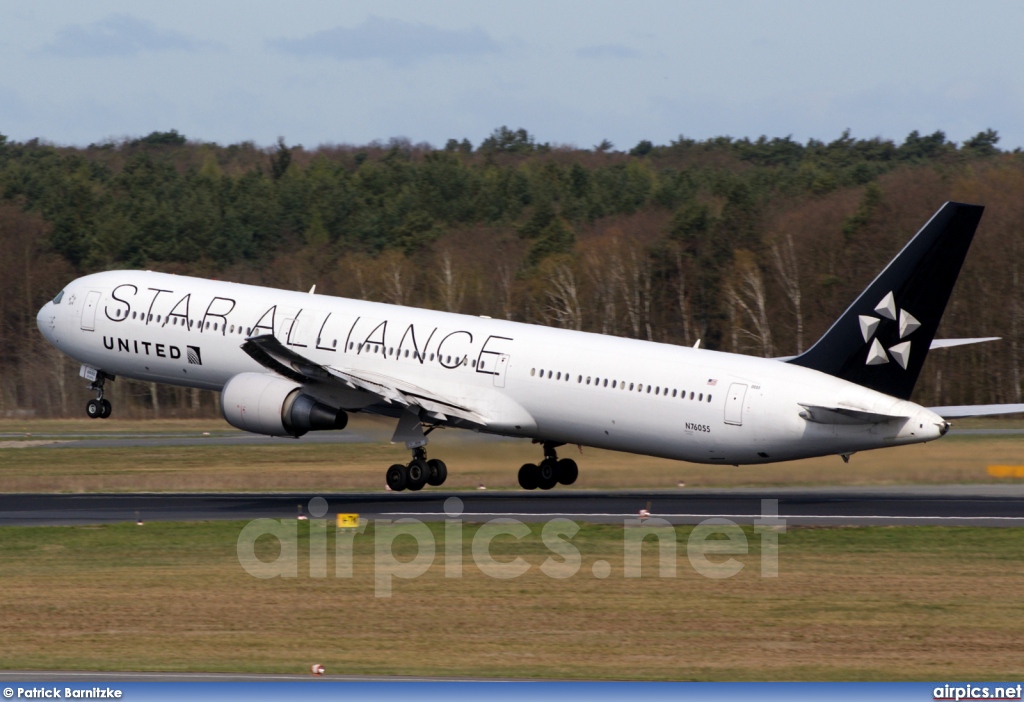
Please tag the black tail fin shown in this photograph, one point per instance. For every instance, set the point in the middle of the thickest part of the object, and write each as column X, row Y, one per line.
column 882, row 339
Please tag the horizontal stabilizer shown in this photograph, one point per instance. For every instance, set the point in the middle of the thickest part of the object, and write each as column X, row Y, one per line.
column 844, row 415
column 949, row 343
column 955, row 411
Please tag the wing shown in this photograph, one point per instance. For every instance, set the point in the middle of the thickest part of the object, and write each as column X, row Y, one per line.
column 955, row 411
column 844, row 415
column 273, row 355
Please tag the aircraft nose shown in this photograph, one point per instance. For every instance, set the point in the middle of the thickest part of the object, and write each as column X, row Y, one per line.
column 45, row 320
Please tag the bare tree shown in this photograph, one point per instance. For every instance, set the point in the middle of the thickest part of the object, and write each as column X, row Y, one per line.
column 633, row 274
column 603, row 284
column 747, row 294
column 788, row 270
column 451, row 290
column 682, row 298
column 563, row 303
column 396, row 278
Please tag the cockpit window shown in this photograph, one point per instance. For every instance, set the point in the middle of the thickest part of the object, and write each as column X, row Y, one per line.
column 56, row 300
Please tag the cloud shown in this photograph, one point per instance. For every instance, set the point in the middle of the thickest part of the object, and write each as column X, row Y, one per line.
column 118, row 35
column 390, row 39
column 613, row 51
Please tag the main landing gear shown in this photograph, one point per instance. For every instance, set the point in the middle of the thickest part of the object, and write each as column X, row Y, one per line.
column 550, row 472
column 98, row 408
column 418, row 472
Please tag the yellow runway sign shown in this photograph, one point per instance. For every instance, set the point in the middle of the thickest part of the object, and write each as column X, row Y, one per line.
column 348, row 521
column 1006, row 471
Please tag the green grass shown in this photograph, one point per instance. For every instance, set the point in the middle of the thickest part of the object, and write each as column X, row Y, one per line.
column 866, row 603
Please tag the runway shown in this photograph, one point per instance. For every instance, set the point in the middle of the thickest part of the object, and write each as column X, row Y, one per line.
column 365, row 433
column 956, row 505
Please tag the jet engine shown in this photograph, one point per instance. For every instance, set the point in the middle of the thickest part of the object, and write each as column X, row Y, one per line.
column 268, row 404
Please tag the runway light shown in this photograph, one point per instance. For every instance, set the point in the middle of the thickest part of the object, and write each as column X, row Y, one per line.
column 682, row 484
column 316, row 669
column 480, row 487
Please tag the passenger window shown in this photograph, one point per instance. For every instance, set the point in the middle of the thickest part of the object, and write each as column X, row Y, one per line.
column 631, row 386
column 709, row 398
column 214, row 324
column 579, row 379
column 691, row 394
column 613, row 385
column 673, row 392
column 334, row 344
column 701, row 399
column 559, row 376
column 606, row 382
column 588, row 380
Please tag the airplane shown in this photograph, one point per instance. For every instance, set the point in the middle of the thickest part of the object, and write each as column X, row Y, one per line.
column 290, row 362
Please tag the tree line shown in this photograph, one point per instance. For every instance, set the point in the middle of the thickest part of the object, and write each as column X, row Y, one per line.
column 753, row 246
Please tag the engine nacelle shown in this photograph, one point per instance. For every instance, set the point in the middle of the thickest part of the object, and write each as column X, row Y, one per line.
column 267, row 404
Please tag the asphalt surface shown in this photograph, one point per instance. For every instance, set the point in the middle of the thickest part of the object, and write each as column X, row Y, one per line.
column 364, row 434
column 960, row 505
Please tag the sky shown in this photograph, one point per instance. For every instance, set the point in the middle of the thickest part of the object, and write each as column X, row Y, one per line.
column 570, row 72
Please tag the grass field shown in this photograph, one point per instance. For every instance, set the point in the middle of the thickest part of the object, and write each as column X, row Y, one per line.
column 286, row 465
column 849, row 604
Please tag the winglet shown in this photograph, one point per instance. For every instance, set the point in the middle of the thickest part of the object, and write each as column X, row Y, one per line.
column 881, row 341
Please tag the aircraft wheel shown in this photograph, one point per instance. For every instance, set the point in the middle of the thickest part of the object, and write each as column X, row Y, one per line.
column 547, row 476
column 418, row 472
column 94, row 409
column 397, row 477
column 529, row 477
column 438, row 472
column 568, row 471
column 105, row 409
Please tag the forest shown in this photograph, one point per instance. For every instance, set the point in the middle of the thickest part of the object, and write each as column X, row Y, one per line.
column 751, row 246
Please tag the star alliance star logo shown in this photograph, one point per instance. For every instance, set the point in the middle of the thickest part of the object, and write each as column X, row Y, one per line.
column 868, row 325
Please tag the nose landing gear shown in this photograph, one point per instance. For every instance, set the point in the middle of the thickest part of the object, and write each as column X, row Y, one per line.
column 98, row 408
column 550, row 472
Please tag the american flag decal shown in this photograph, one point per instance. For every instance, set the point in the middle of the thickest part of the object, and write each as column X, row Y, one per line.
column 194, row 357
column 711, row 381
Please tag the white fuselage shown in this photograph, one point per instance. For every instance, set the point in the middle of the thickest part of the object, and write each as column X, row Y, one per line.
column 526, row 380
